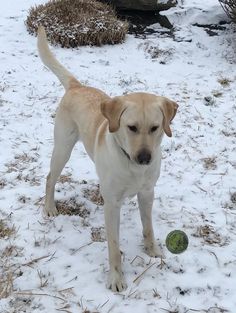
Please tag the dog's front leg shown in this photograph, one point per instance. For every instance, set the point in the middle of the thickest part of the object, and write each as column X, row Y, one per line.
column 145, row 200
column 116, row 280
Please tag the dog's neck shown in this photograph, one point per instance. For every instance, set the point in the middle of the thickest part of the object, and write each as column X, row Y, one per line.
column 122, row 150
column 125, row 153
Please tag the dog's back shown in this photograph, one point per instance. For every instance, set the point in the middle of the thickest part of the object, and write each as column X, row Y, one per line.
column 80, row 103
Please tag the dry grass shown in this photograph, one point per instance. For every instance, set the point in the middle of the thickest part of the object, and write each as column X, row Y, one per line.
column 229, row 7
column 156, row 294
column 217, row 93
column 7, row 273
column 209, row 163
column 225, row 82
column 24, row 158
column 210, row 236
column 71, row 207
column 66, row 179
column 155, row 52
column 12, row 251
column 6, row 284
column 98, row 234
column 93, row 195
column 43, row 281
column 5, row 230
column 72, row 23
column 20, row 162
column 231, row 205
column 31, row 179
column 20, row 304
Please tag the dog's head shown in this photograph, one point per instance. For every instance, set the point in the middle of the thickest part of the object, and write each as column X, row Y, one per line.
column 138, row 121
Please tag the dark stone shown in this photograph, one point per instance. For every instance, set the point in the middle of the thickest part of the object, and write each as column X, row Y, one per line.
column 143, row 5
column 140, row 22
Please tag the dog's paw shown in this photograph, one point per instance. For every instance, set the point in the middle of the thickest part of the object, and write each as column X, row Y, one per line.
column 116, row 281
column 153, row 250
column 50, row 211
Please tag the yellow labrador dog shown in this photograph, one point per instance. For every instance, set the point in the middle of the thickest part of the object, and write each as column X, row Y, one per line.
column 122, row 135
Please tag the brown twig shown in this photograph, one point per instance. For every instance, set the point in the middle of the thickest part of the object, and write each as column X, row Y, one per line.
column 87, row 244
column 200, row 188
column 36, row 260
column 24, row 293
column 135, row 258
column 140, row 275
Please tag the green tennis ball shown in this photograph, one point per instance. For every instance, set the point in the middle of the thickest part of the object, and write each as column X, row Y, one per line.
column 177, row 241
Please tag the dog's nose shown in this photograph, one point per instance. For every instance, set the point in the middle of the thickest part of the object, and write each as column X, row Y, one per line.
column 144, row 157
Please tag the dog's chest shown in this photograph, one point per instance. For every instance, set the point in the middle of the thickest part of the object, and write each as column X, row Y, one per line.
column 136, row 181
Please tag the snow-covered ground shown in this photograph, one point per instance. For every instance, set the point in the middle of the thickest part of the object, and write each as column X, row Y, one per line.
column 60, row 264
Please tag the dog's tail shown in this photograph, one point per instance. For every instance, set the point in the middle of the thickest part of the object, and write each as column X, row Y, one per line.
column 65, row 77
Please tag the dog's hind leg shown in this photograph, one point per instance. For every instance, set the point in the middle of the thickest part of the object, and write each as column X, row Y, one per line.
column 65, row 137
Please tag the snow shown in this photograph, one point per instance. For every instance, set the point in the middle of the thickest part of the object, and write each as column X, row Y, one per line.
column 162, row 1
column 56, row 266
column 192, row 12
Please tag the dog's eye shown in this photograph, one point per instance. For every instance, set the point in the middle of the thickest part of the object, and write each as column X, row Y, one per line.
column 153, row 128
column 133, row 128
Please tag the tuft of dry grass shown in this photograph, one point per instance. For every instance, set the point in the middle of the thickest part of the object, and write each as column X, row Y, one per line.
column 209, row 163
column 225, row 82
column 24, row 158
column 5, row 230
column 155, row 52
column 43, row 281
column 231, row 205
column 217, row 93
column 32, row 180
column 11, row 251
column 229, row 6
column 210, row 235
column 6, row 284
column 93, row 195
column 98, row 234
column 66, row 179
column 72, row 23
column 7, row 272
column 71, row 207
column 20, row 162
column 156, row 294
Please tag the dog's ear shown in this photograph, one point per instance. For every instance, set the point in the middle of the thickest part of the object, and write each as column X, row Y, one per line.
column 112, row 109
column 169, row 109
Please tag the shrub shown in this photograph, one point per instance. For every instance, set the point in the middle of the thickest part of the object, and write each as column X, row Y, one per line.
column 229, row 7
column 71, row 23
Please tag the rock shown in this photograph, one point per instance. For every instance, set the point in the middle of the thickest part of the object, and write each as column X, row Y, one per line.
column 209, row 101
column 143, row 5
